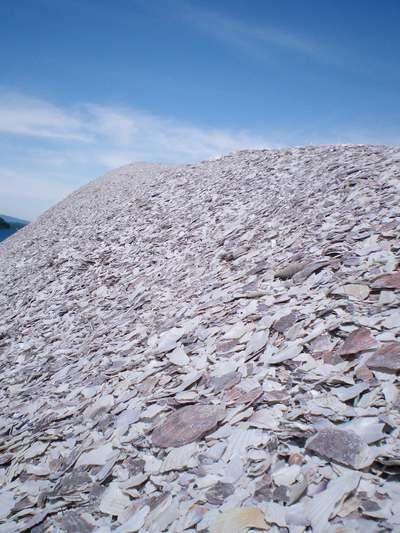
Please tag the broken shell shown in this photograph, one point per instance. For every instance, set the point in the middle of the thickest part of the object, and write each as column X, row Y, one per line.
column 286, row 322
column 343, row 446
column 178, row 357
column 178, row 457
column 115, row 311
column 326, row 504
column 358, row 341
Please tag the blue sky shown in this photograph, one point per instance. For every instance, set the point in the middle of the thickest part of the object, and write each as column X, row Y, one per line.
column 89, row 85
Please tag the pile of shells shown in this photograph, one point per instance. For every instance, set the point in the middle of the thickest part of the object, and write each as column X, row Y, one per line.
column 207, row 348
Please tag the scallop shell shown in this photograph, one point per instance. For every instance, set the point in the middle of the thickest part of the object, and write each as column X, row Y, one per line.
column 234, row 520
column 186, row 425
column 178, row 457
column 168, row 340
column 114, row 501
column 178, row 357
column 240, row 440
column 326, row 504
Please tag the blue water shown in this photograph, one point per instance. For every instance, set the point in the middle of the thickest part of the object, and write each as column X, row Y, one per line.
column 4, row 233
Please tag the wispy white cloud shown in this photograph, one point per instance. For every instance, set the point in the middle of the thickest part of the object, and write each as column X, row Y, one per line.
column 87, row 127
column 23, row 115
column 48, row 150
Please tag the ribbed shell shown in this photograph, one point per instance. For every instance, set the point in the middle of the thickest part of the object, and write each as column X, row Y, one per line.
column 234, row 520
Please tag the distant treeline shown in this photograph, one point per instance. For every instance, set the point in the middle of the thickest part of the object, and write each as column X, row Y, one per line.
column 4, row 224
column 11, row 225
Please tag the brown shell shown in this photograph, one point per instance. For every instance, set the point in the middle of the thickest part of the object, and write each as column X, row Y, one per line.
column 285, row 322
column 219, row 492
column 346, row 447
column 387, row 358
column 72, row 521
column 359, row 340
column 387, row 281
column 186, row 425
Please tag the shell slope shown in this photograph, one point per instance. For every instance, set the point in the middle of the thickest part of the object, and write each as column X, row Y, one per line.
column 125, row 335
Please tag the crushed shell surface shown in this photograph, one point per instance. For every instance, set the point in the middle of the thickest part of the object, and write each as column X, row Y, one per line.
column 207, row 348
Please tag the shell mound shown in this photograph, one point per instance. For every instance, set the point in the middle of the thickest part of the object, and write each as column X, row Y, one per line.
column 208, row 347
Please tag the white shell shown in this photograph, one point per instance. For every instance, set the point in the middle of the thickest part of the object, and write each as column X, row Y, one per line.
column 274, row 513
column 114, row 501
column 6, row 503
column 134, row 523
column 326, row 504
column 353, row 291
column 98, row 456
column 168, row 340
column 178, row 457
column 237, row 331
column 393, row 321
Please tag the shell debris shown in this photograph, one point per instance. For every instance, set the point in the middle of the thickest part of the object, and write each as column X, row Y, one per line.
column 208, row 347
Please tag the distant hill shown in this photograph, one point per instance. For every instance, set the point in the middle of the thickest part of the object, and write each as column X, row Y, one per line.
column 15, row 223
column 9, row 225
column 4, row 224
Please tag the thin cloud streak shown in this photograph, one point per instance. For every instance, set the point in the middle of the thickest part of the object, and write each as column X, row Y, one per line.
column 89, row 126
column 254, row 40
